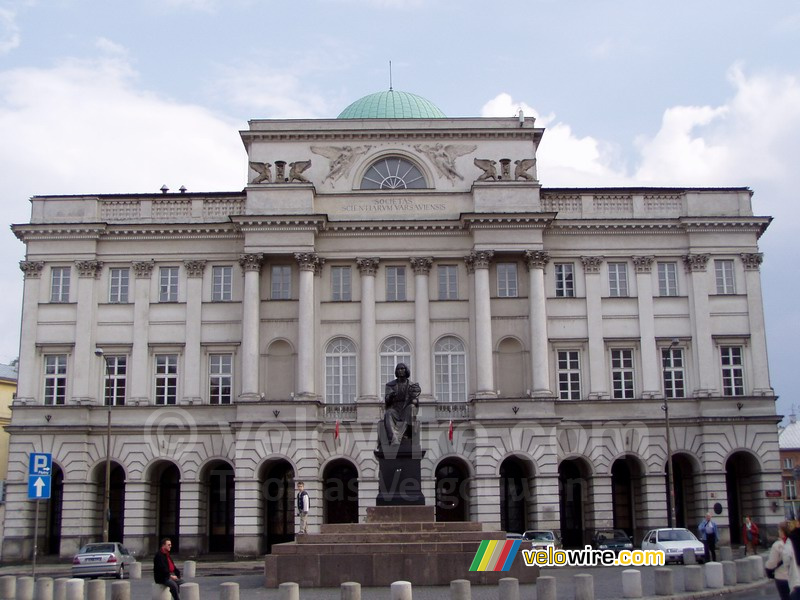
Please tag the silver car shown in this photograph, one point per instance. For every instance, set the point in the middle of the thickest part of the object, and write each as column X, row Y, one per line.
column 102, row 558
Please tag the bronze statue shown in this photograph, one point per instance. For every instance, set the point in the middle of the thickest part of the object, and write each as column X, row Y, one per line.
column 401, row 397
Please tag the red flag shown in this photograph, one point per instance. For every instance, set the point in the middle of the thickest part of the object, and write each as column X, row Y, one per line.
column 450, row 432
column 336, row 432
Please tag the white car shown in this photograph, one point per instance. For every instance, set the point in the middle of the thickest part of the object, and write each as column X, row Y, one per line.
column 541, row 539
column 672, row 542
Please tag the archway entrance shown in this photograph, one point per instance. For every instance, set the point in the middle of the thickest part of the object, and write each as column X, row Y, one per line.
column 219, row 485
column 514, row 495
column 116, row 501
column 52, row 543
column 452, row 491
column 683, row 479
column 340, row 492
column 279, row 508
column 742, row 478
column 626, row 493
column 573, row 495
column 166, row 487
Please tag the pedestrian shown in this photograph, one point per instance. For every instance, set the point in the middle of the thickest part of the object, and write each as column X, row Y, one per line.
column 791, row 552
column 303, row 506
column 750, row 535
column 164, row 570
column 707, row 531
column 775, row 567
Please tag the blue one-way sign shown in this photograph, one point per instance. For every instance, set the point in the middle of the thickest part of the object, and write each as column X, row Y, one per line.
column 39, row 470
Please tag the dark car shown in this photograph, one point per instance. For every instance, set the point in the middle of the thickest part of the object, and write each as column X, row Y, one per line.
column 611, row 539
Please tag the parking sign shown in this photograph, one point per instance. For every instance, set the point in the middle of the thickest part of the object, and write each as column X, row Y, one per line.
column 39, row 471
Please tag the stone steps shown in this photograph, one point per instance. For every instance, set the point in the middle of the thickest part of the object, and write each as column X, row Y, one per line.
column 411, row 537
column 411, row 527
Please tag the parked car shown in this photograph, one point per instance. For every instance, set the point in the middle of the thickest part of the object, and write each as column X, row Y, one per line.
column 542, row 539
column 104, row 558
column 611, row 539
column 513, row 536
column 672, row 542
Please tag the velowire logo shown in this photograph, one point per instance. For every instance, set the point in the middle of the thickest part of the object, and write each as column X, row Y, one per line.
column 495, row 555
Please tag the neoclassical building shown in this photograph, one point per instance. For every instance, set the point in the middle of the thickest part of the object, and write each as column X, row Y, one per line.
column 240, row 342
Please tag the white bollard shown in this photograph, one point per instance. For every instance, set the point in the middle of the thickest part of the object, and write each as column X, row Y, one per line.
column 75, row 589
column 189, row 569
column 664, row 585
column 744, row 572
column 351, row 590
column 631, row 583
column 460, row 589
column 725, row 553
column 728, row 572
column 229, row 591
column 289, row 591
column 8, row 587
column 584, row 586
column 159, row 592
column 96, row 590
column 43, row 589
column 757, row 567
column 190, row 591
column 60, row 588
column 545, row 587
column 135, row 570
column 120, row 590
column 25, row 588
column 401, row 590
column 508, row 588
column 689, row 557
column 693, row 578
column 714, row 575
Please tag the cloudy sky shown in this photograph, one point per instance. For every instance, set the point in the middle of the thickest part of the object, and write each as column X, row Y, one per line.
column 101, row 96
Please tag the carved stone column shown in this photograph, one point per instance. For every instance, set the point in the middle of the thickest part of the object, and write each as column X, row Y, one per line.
column 755, row 317
column 194, row 306
column 88, row 368
column 422, row 326
column 536, row 260
column 308, row 262
column 651, row 363
column 594, row 320
column 251, row 324
column 368, row 268
column 139, row 374
column 703, row 356
column 480, row 261
column 30, row 375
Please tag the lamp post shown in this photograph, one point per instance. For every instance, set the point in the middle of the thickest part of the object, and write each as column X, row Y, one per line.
column 665, row 408
column 107, row 491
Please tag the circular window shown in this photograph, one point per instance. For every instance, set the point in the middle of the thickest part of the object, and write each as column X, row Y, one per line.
column 393, row 173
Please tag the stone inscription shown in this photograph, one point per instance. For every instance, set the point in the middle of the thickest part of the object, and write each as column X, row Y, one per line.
column 393, row 206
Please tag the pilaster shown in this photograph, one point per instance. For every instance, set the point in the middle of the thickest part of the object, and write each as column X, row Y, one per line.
column 598, row 381
column 194, row 306
column 755, row 316
column 251, row 324
column 548, row 507
column 87, row 367
column 249, row 517
column 193, row 535
column 422, row 329
column 536, row 261
column 651, row 379
column 137, row 516
column 28, row 382
column 139, row 375
column 308, row 262
column 480, row 261
column 368, row 268
column 704, row 364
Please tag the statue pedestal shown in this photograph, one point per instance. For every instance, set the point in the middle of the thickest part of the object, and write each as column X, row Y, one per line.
column 400, row 477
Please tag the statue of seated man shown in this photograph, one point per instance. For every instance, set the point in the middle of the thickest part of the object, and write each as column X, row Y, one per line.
column 400, row 398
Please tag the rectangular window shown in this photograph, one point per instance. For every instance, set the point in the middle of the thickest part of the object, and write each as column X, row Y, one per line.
column 667, row 279
column 507, row 280
column 59, row 284
column 732, row 371
column 448, row 282
column 788, row 463
column 395, row 284
column 341, row 284
column 166, row 379
column 220, row 378
column 723, row 269
column 281, row 282
column 168, row 284
column 116, row 373
column 222, row 284
column 622, row 374
column 789, row 489
column 565, row 280
column 569, row 375
column 674, row 375
column 618, row 279
column 55, row 379
column 118, row 286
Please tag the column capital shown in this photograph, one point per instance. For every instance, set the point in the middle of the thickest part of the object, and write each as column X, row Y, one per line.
column 643, row 264
column 142, row 269
column 88, row 268
column 308, row 261
column 695, row 263
column 752, row 260
column 368, row 266
column 194, row 268
column 32, row 268
column 536, row 259
column 251, row 262
column 421, row 265
column 479, row 259
column 591, row 264
column 318, row 266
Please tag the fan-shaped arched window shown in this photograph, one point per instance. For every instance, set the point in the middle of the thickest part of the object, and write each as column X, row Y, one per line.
column 394, row 350
column 450, row 370
column 340, row 372
column 393, row 173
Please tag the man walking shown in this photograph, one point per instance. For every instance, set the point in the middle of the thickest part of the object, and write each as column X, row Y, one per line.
column 303, row 506
column 164, row 570
column 707, row 531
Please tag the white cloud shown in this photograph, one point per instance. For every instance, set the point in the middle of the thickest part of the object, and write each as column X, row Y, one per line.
column 9, row 31
column 111, row 48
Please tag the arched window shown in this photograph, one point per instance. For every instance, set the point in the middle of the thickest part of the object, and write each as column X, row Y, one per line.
column 393, row 173
column 394, row 350
column 340, row 372
column 450, row 370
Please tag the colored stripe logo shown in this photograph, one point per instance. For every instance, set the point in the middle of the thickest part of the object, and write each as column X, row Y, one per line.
column 495, row 555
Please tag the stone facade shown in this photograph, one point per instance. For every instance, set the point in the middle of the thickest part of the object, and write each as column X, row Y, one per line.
column 246, row 338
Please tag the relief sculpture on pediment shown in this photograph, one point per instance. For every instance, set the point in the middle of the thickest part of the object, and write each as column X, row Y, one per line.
column 444, row 157
column 341, row 157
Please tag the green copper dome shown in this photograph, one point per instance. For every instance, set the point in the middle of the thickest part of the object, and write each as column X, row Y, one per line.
column 392, row 105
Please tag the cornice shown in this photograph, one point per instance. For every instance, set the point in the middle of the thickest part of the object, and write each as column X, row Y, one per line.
column 523, row 134
column 254, row 223
column 390, row 228
column 473, row 221
column 59, row 231
column 625, row 227
column 757, row 225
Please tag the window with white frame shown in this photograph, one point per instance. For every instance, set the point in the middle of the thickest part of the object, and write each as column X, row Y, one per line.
column 732, row 370
column 565, row 280
column 569, row 375
column 341, row 284
column 395, row 284
column 168, row 284
column 115, row 380
column 340, row 372
column 394, row 350
column 617, row 279
column 220, row 378
column 448, row 282
column 723, row 270
column 450, row 370
column 507, row 280
column 222, row 283
column 59, row 284
column 622, row 372
column 166, row 391
column 281, row 282
column 789, row 489
column 667, row 279
column 55, row 379
column 788, row 463
column 673, row 371
column 118, row 285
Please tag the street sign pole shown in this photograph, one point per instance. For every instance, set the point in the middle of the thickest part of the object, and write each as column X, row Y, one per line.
column 35, row 538
column 40, row 468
